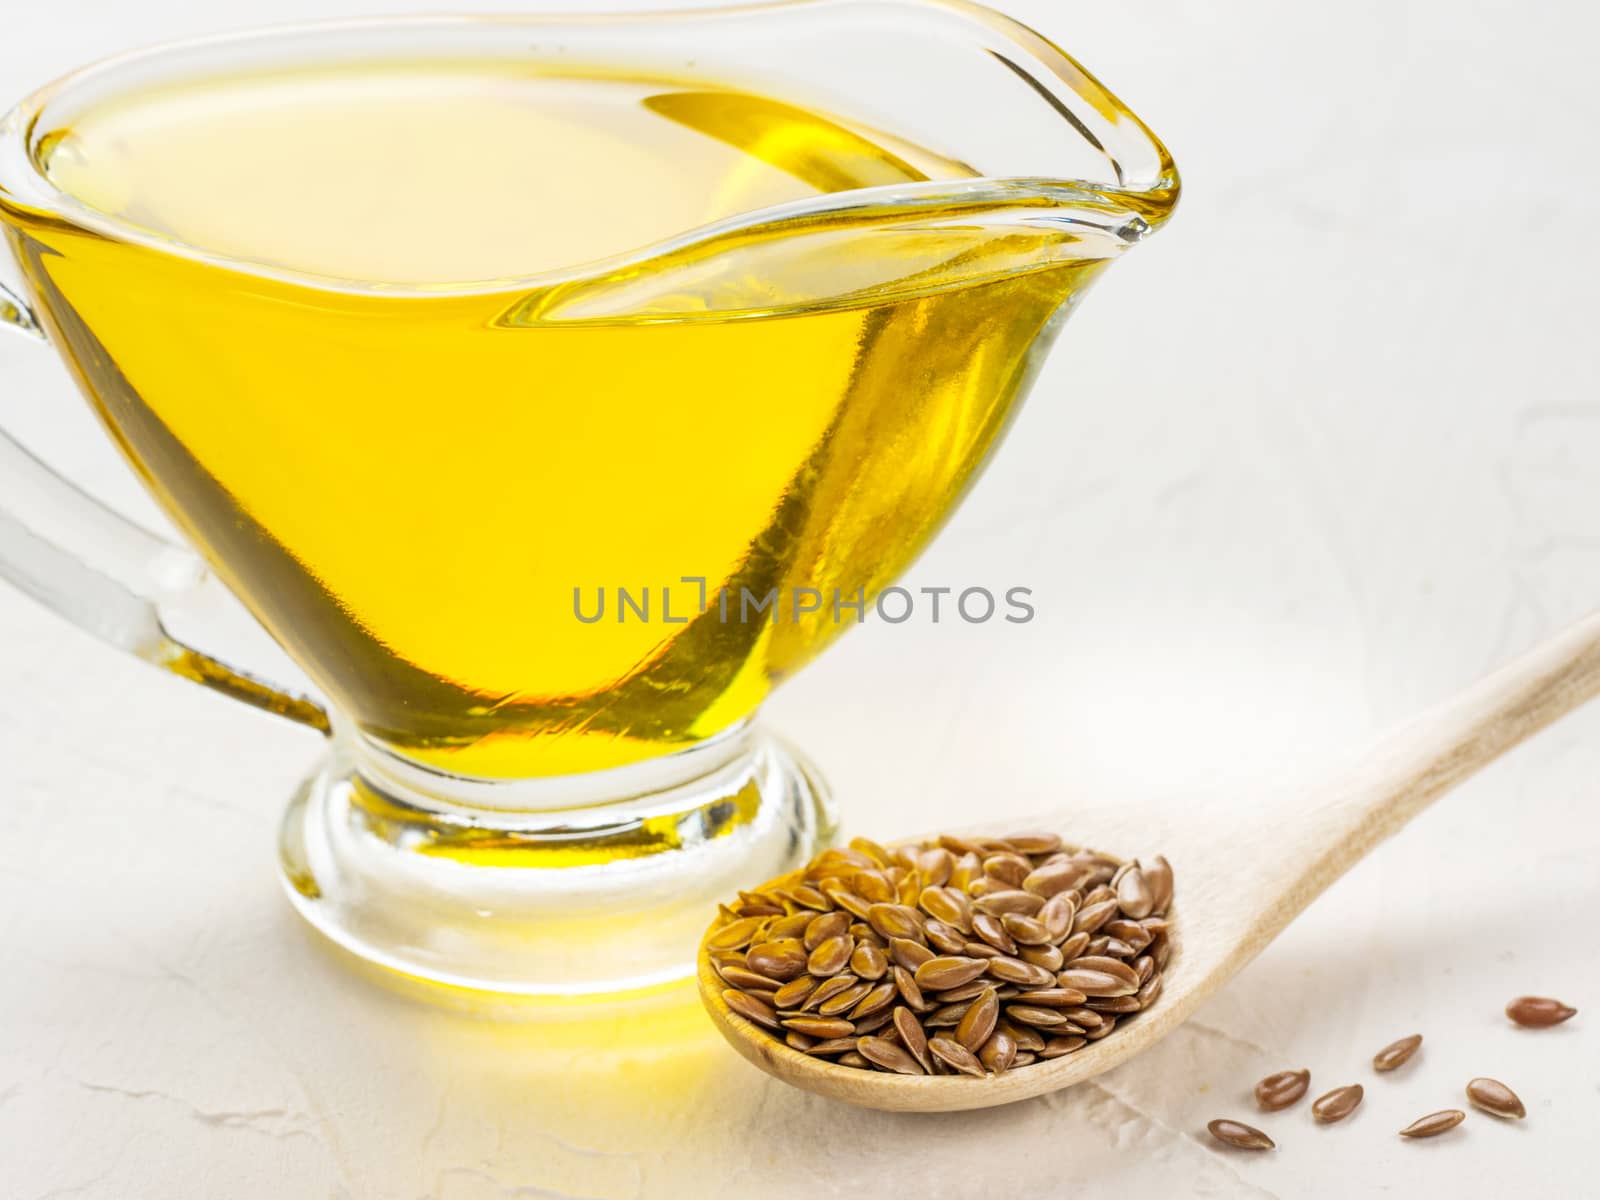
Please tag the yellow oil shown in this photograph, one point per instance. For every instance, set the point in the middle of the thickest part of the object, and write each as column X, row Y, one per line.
column 422, row 379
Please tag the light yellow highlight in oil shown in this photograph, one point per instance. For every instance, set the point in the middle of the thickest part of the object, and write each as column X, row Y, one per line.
column 449, row 172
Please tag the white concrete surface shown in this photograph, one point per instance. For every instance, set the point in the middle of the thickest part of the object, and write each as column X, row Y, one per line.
column 1322, row 452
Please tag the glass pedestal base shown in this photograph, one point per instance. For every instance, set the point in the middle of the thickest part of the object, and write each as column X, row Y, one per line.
column 594, row 883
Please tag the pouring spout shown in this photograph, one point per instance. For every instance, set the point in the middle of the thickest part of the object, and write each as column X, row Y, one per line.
column 1060, row 121
column 878, row 246
column 994, row 153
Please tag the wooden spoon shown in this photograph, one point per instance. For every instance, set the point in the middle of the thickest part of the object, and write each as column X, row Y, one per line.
column 1237, row 888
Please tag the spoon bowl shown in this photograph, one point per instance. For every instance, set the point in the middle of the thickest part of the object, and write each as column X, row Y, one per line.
column 1235, row 888
column 950, row 1093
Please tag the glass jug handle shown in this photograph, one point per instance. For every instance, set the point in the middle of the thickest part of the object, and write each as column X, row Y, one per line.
column 110, row 576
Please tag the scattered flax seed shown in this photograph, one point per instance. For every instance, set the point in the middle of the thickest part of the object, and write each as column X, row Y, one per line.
column 1239, row 1135
column 1538, row 1012
column 1434, row 1124
column 952, row 956
column 1337, row 1104
column 1282, row 1089
column 1396, row 1053
column 1495, row 1098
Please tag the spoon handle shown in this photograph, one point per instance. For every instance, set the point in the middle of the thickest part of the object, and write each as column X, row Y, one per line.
column 1423, row 759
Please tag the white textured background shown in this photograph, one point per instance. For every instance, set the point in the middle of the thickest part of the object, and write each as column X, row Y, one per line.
column 1322, row 452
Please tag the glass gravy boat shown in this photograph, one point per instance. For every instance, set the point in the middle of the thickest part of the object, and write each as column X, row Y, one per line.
column 538, row 534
